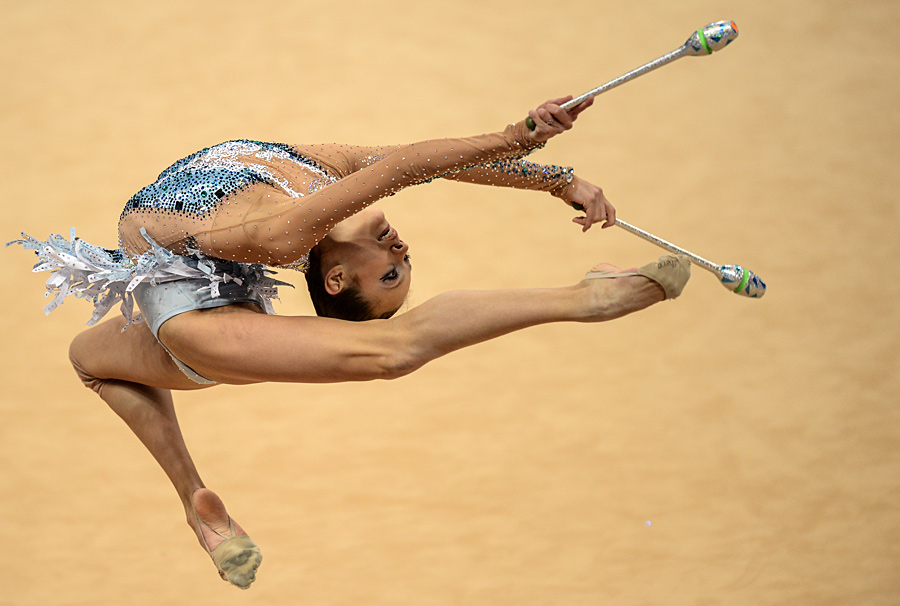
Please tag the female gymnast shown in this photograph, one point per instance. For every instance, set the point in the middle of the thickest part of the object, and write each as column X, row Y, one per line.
column 193, row 246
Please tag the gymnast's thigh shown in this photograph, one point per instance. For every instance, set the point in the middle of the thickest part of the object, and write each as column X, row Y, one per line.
column 105, row 352
column 237, row 345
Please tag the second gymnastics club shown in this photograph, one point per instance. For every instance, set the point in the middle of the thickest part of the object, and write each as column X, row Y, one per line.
column 733, row 277
column 704, row 41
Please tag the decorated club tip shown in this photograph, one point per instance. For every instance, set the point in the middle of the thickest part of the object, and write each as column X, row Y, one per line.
column 704, row 41
column 741, row 281
column 713, row 37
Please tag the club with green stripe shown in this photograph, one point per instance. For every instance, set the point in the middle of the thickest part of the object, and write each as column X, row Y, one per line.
column 704, row 41
column 735, row 278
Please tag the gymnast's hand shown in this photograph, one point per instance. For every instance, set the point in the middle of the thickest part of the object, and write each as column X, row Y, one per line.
column 595, row 205
column 550, row 119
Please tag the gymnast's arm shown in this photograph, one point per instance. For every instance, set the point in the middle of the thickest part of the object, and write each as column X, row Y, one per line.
column 294, row 226
column 511, row 171
column 560, row 182
column 316, row 214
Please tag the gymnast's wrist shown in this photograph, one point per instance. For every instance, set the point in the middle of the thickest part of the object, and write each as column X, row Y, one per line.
column 566, row 185
column 523, row 136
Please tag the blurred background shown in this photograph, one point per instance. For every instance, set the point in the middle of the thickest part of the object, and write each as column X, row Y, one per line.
column 711, row 450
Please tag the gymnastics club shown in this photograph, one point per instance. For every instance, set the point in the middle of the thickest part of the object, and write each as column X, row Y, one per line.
column 704, row 41
column 733, row 277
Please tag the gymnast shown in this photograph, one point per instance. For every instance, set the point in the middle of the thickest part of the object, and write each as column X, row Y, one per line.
column 193, row 251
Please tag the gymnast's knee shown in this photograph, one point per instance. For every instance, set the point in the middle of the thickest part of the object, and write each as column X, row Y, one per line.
column 79, row 351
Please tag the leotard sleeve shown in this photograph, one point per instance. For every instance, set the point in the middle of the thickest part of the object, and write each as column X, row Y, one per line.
column 520, row 174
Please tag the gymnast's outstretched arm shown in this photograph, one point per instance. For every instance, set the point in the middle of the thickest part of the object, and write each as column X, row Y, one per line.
column 258, row 223
column 513, row 172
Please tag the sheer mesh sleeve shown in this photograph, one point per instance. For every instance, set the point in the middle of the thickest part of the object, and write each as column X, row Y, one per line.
column 518, row 173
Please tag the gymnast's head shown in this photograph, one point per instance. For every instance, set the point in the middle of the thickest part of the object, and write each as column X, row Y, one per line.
column 361, row 270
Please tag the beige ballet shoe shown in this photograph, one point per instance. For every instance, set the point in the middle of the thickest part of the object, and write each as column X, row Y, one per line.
column 236, row 558
column 671, row 272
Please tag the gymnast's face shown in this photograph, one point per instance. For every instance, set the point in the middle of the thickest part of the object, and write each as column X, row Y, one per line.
column 369, row 252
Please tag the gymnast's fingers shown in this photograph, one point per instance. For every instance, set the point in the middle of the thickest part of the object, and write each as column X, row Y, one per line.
column 575, row 111
column 544, row 127
column 593, row 215
column 540, row 122
column 598, row 213
column 606, row 212
column 610, row 215
column 561, row 100
column 560, row 116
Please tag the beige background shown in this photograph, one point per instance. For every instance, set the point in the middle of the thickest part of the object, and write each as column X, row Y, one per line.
column 715, row 450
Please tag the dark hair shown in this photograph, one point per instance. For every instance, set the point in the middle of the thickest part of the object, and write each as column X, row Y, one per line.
column 349, row 304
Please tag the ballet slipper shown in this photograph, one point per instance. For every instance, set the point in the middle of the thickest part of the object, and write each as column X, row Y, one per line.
column 671, row 272
column 236, row 558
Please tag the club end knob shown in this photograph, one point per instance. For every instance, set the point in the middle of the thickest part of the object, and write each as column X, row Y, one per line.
column 742, row 281
column 710, row 38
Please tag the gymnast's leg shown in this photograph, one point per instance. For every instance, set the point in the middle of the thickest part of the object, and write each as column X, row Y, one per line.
column 251, row 347
column 134, row 375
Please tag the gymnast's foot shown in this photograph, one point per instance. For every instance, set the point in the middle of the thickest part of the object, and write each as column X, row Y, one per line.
column 633, row 289
column 234, row 553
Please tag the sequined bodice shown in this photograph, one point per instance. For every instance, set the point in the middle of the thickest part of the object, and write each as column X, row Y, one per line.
column 196, row 184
